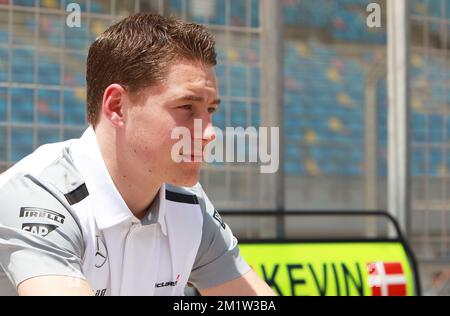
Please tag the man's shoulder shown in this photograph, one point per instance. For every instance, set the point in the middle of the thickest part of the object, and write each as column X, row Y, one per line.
column 43, row 157
column 50, row 164
column 191, row 195
column 38, row 226
column 23, row 193
column 41, row 185
column 33, row 206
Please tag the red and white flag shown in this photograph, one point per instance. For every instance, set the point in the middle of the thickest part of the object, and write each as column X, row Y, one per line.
column 387, row 279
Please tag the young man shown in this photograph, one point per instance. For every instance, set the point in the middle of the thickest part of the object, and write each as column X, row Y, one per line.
column 112, row 213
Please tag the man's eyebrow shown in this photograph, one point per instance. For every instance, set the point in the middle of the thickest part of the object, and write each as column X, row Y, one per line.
column 196, row 98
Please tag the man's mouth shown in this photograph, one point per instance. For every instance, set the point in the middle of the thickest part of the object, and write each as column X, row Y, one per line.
column 192, row 157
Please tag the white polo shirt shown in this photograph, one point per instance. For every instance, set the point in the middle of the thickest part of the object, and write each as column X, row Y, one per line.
column 62, row 215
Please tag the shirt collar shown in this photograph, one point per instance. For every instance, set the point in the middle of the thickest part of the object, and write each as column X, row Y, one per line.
column 108, row 205
column 160, row 209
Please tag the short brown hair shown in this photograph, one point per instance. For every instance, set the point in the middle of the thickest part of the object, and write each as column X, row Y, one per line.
column 136, row 52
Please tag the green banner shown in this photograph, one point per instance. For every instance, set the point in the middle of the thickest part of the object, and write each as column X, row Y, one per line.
column 333, row 269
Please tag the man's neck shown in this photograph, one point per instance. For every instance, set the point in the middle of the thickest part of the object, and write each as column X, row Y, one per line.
column 138, row 190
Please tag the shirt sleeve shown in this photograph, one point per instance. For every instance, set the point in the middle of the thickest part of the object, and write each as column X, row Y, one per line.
column 38, row 234
column 218, row 259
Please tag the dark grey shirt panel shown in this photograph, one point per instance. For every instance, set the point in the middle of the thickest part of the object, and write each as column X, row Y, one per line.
column 218, row 259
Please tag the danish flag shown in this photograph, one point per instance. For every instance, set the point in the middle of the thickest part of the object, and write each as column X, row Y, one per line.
column 387, row 279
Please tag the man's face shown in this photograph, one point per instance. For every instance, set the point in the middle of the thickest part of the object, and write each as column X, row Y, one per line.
column 188, row 94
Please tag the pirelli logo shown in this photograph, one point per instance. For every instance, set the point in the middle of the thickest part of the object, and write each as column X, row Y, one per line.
column 34, row 212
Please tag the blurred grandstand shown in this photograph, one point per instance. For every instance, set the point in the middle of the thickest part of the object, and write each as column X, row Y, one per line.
column 331, row 62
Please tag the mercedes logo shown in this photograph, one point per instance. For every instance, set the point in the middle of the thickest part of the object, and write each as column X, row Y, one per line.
column 101, row 254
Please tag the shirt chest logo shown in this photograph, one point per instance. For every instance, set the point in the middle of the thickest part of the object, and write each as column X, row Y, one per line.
column 34, row 212
column 38, row 229
column 101, row 252
column 170, row 283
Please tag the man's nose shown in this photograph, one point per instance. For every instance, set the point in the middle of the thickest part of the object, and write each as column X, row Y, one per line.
column 209, row 134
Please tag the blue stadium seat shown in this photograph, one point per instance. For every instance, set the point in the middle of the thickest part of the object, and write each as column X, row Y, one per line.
column 4, row 35
column 74, row 109
column 22, row 65
column 75, row 76
column 430, row 7
column 72, row 133
column 256, row 82
column 238, row 114
column 98, row 7
column 221, row 73
column 50, row 30
column 4, row 62
column 22, row 105
column 294, row 168
column 22, row 143
column 3, row 104
column 219, row 120
column 239, row 81
column 28, row 3
column 238, row 12
column 48, row 71
column 48, row 107
column 48, row 135
column 3, row 142
column 256, row 114
column 76, row 37
column 50, row 4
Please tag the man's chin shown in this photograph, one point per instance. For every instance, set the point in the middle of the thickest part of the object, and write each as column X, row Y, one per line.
column 187, row 179
column 189, row 183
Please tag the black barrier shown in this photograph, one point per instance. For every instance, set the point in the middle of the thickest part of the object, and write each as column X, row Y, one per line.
column 399, row 238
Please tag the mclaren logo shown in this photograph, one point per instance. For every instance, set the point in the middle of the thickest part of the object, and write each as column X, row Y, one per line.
column 101, row 253
column 171, row 283
column 41, row 213
column 38, row 229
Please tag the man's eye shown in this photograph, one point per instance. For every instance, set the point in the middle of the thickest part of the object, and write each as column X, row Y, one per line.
column 186, row 107
column 212, row 110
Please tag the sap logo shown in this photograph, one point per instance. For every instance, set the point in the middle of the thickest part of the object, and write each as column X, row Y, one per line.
column 165, row 284
column 39, row 229
column 41, row 213
column 74, row 18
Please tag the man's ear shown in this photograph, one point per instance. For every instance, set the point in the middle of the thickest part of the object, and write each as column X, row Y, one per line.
column 112, row 105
